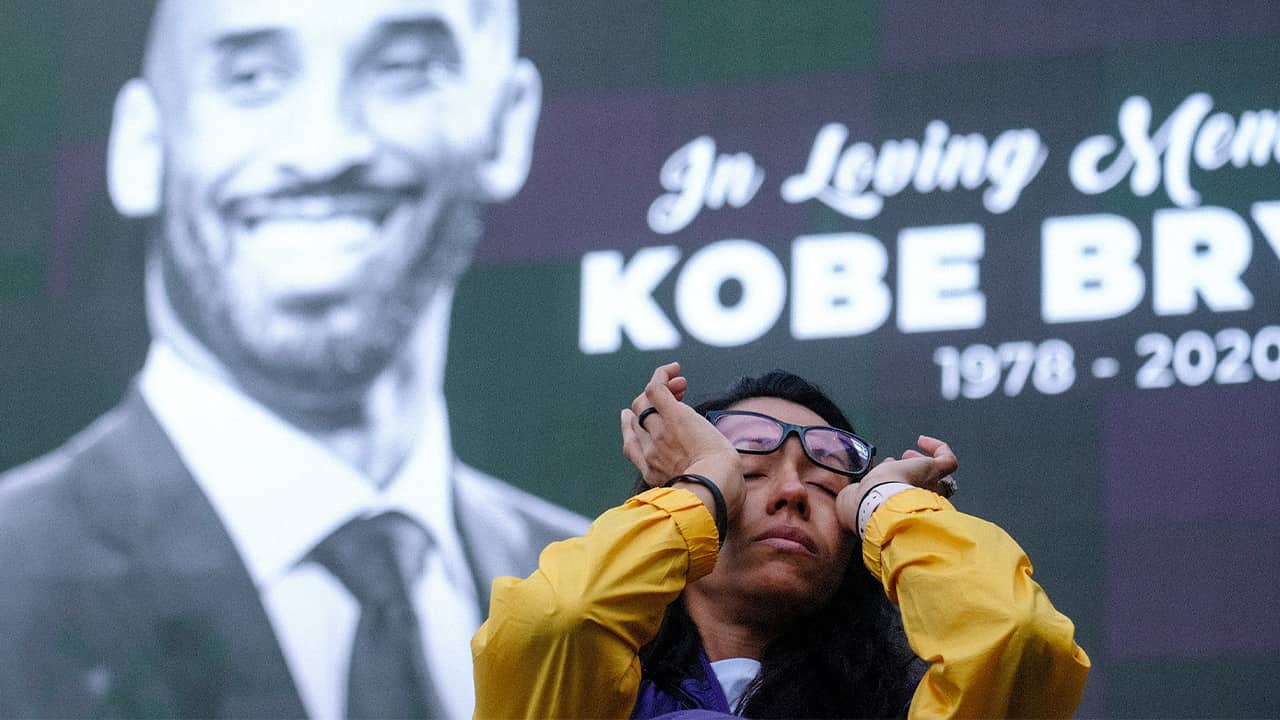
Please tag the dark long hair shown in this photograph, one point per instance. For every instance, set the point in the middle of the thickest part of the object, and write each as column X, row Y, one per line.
column 848, row 659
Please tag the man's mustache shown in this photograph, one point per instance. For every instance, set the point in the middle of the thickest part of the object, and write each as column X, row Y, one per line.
column 317, row 201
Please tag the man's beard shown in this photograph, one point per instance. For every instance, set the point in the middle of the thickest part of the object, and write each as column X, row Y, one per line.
column 315, row 357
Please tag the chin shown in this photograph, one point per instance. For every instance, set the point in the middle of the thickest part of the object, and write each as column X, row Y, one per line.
column 317, row 357
column 792, row 596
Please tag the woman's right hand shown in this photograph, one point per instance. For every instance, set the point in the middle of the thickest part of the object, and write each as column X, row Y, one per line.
column 675, row 439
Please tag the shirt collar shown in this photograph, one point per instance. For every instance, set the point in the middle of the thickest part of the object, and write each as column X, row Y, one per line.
column 278, row 491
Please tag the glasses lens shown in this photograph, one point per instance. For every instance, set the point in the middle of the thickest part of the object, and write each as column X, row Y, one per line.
column 752, row 433
column 836, row 449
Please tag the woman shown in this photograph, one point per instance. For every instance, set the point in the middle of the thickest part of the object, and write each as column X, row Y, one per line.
column 648, row 613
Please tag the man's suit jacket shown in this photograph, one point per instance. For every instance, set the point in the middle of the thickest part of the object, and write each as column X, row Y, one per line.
column 121, row 594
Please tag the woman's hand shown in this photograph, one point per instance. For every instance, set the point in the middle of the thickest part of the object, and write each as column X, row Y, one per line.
column 930, row 470
column 676, row 440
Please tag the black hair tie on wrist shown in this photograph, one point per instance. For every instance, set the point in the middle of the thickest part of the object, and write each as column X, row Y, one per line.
column 722, row 511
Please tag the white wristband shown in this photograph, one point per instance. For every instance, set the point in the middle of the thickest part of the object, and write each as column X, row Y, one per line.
column 874, row 498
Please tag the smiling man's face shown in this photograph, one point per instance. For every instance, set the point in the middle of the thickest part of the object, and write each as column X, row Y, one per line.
column 320, row 172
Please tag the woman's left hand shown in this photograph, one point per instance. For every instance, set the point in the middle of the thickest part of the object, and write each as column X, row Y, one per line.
column 930, row 470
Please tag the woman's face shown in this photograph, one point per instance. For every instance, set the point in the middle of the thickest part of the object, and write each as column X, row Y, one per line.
column 786, row 553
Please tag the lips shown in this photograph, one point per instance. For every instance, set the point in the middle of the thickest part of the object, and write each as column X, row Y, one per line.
column 786, row 537
column 373, row 205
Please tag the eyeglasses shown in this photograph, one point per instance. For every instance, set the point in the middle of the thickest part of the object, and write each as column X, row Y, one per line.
column 839, row 451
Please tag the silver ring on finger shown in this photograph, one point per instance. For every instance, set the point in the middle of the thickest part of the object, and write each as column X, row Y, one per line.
column 947, row 486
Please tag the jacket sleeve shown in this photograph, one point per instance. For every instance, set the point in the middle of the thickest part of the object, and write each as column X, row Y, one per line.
column 563, row 642
column 998, row 647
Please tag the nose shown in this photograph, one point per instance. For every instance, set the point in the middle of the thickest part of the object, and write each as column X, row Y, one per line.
column 787, row 489
column 327, row 135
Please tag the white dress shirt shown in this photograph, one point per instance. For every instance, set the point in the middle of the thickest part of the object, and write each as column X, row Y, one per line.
column 279, row 493
column 734, row 675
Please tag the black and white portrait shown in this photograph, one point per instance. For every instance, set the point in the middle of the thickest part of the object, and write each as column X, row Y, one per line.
column 272, row 522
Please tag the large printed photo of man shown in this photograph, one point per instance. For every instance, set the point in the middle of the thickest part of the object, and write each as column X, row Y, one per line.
column 273, row 522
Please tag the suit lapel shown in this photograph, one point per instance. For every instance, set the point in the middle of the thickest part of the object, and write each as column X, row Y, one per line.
column 503, row 528
column 204, row 621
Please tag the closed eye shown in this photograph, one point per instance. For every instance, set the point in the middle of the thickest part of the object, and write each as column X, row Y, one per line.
column 753, row 443
column 824, row 489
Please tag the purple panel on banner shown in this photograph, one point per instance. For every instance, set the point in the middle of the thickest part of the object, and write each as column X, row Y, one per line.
column 597, row 161
column 78, row 180
column 1179, row 479
column 592, row 161
column 1191, row 550
column 915, row 33
column 1179, row 591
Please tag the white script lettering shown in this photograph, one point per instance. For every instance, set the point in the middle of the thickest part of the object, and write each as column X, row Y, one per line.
column 855, row 180
column 1188, row 134
column 696, row 177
